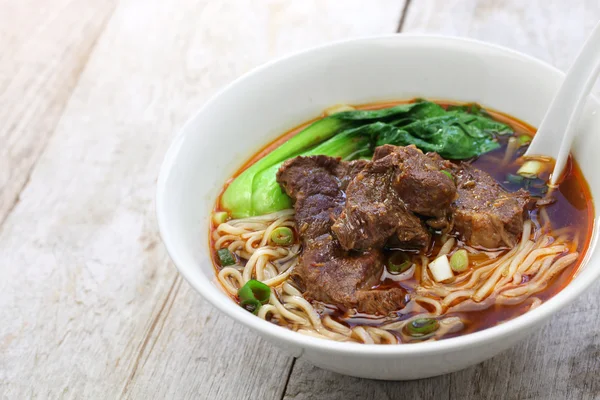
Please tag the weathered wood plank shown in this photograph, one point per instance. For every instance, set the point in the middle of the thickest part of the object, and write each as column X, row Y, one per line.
column 551, row 30
column 92, row 307
column 45, row 46
column 220, row 359
column 561, row 361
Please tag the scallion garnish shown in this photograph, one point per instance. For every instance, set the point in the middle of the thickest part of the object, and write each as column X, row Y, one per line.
column 282, row 236
column 253, row 294
column 398, row 262
column 459, row 261
column 225, row 257
column 524, row 139
column 422, row 326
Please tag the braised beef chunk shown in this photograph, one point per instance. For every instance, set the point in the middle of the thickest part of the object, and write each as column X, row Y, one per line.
column 313, row 185
column 374, row 212
column 328, row 272
column 418, row 179
column 381, row 199
column 333, row 275
column 484, row 213
column 346, row 171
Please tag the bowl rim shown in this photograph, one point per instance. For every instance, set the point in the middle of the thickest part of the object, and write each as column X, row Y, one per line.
column 282, row 334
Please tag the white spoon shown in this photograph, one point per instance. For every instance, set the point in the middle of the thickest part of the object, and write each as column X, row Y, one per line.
column 556, row 132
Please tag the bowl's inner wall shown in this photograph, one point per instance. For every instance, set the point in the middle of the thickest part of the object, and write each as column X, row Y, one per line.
column 255, row 110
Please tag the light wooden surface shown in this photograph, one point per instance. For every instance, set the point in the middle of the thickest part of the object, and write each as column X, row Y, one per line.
column 91, row 94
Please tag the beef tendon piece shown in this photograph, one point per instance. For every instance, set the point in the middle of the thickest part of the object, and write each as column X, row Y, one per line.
column 486, row 215
column 327, row 272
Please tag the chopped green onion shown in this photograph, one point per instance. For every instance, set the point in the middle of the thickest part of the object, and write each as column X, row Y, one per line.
column 459, row 261
column 253, row 294
column 524, row 139
column 254, row 289
column 282, row 236
column 514, row 178
column 448, row 174
column 225, row 257
column 422, row 326
column 219, row 217
column 398, row 263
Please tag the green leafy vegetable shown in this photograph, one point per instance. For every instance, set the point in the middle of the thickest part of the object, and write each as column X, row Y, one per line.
column 410, row 109
column 453, row 135
column 471, row 108
column 460, row 132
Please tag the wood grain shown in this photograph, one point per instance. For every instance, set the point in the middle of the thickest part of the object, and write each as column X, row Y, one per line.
column 224, row 360
column 45, row 47
column 92, row 307
column 561, row 361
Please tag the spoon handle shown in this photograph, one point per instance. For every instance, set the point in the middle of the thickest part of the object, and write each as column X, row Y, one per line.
column 557, row 130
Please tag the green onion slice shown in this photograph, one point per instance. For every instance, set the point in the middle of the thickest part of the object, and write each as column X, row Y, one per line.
column 254, row 290
column 459, row 261
column 282, row 236
column 422, row 326
column 225, row 257
column 524, row 139
column 398, row 262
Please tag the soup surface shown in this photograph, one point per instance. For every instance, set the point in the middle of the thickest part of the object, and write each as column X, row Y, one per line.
column 400, row 258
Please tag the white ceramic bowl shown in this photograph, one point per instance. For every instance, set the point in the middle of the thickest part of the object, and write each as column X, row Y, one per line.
column 261, row 105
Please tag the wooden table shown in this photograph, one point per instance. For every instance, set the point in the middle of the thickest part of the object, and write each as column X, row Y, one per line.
column 91, row 95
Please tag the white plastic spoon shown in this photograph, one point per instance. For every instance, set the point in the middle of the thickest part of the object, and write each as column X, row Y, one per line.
column 556, row 132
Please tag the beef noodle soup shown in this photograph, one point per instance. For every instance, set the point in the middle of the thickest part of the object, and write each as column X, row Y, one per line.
column 396, row 223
